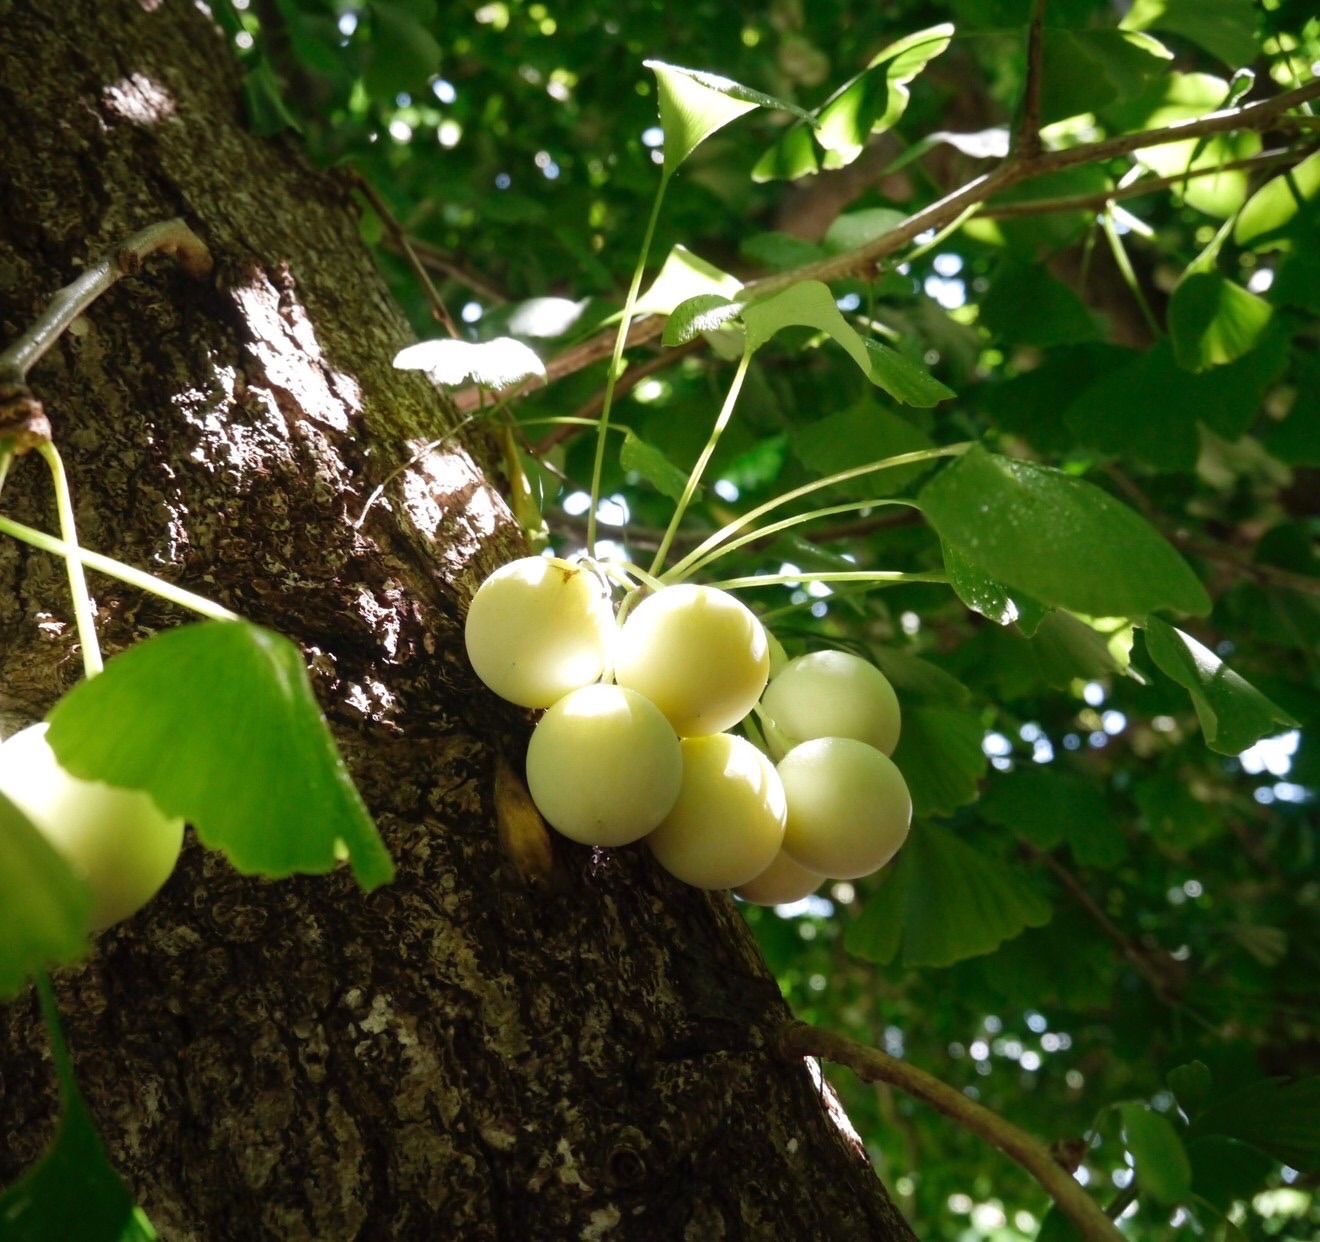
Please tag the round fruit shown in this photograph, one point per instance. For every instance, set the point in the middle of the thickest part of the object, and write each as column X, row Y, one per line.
column 603, row 766
column 116, row 839
column 781, row 882
column 698, row 654
column 538, row 628
column 728, row 822
column 848, row 807
column 833, row 694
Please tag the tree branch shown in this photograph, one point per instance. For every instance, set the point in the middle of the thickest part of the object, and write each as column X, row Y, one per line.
column 1026, row 142
column 935, row 216
column 871, row 1065
column 22, row 419
column 440, row 260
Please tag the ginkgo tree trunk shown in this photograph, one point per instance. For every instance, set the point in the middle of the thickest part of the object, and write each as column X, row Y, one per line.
column 469, row 1051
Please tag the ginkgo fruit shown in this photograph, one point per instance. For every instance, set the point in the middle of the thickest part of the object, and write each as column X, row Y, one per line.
column 831, row 694
column 538, row 628
column 849, row 809
column 604, row 766
column 118, row 840
column 728, row 822
column 781, row 882
column 698, row 654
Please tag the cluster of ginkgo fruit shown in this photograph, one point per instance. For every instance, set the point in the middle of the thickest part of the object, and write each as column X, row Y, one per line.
column 634, row 741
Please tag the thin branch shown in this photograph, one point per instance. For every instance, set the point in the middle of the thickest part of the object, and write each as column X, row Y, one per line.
column 871, row 1065
column 438, row 308
column 1147, row 185
column 935, row 216
column 440, row 260
column 1026, row 142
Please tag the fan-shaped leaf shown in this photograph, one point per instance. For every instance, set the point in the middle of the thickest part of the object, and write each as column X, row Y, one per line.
column 500, row 363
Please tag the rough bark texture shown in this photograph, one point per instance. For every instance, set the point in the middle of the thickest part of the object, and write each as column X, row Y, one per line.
column 459, row 1054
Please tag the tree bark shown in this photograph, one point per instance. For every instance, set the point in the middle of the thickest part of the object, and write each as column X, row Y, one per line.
column 462, row 1054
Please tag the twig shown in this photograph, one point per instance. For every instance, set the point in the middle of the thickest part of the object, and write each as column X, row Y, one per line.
column 871, row 1065
column 1026, row 142
column 438, row 308
column 1148, row 185
column 22, row 419
column 1250, row 116
column 442, row 261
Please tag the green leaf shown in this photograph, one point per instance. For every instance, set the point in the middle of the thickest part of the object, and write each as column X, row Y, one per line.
column 918, row 680
column 1225, row 1171
column 73, row 1193
column 263, row 100
column 45, row 909
column 652, row 465
column 217, row 722
column 1269, row 212
column 991, row 599
column 683, row 276
column 945, row 901
column 939, row 754
column 403, row 52
column 1085, row 70
column 707, row 312
column 793, row 156
column 1163, row 1170
column 1060, row 539
column 1225, row 28
column 1049, row 808
column 1025, row 305
column 694, row 104
column 863, row 432
column 1213, row 321
column 876, row 98
column 903, row 379
column 1068, row 648
column 780, row 252
column 859, row 228
column 496, row 364
column 807, row 304
column 1191, row 1083
column 1233, row 713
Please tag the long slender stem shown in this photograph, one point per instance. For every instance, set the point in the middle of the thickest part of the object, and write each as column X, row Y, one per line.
column 84, row 615
column 843, row 476
column 1129, row 276
column 616, row 358
column 764, row 532
column 871, row 1065
column 876, row 577
column 6, row 460
column 117, row 569
column 694, row 475
column 59, row 1049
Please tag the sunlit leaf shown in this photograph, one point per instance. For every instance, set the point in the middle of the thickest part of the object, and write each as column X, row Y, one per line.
column 875, row 99
column 707, row 312
column 1162, row 1168
column 939, row 754
column 793, row 156
column 683, row 276
column 945, row 901
column 500, row 363
column 694, row 104
column 1212, row 320
column 1233, row 713
column 1059, row 538
column 1273, row 208
column 993, row 600
column 807, row 304
column 217, row 722
column 1225, row 28
column 45, row 909
column 1067, row 649
column 652, row 465
column 1086, row 70
column 903, row 379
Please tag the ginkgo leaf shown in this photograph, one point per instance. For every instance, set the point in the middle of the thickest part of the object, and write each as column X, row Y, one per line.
column 500, row 363
column 707, row 312
column 218, row 723
column 1271, row 209
column 661, row 473
column 683, row 276
column 903, row 379
column 45, row 909
column 807, row 304
column 694, row 104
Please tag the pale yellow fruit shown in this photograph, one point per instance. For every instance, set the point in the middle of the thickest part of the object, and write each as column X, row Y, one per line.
column 603, row 766
column 728, row 822
column 538, row 628
column 848, row 807
column 781, row 882
column 698, row 654
column 116, row 839
column 832, row 694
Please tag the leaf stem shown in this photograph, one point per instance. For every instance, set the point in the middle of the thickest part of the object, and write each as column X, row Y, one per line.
column 611, row 378
column 842, row 476
column 799, row 1039
column 1129, row 275
column 764, row 532
column 875, row 576
column 642, row 576
column 59, row 1049
column 83, row 612
column 117, row 569
column 694, row 475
